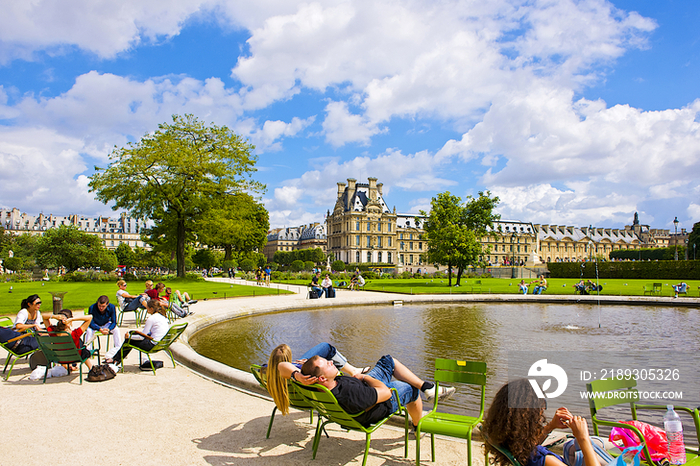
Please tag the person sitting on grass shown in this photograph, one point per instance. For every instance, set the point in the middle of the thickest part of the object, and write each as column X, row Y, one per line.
column 155, row 328
column 680, row 288
column 104, row 321
column 516, row 421
column 280, row 368
column 522, row 286
column 541, row 285
column 370, row 393
column 63, row 325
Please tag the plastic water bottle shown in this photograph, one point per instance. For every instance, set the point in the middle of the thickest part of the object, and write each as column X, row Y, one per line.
column 674, row 435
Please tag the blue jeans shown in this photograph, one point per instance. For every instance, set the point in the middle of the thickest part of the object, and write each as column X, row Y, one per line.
column 383, row 371
column 328, row 352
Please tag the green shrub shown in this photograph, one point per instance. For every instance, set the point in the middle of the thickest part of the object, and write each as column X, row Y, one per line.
column 338, row 266
column 308, row 265
column 676, row 270
column 297, row 266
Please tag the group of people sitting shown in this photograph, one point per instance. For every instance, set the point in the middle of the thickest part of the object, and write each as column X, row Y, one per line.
column 540, row 285
column 515, row 419
column 325, row 288
column 586, row 287
column 101, row 319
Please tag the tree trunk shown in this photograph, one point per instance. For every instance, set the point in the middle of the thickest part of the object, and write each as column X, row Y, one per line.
column 227, row 252
column 180, row 251
column 449, row 274
column 459, row 275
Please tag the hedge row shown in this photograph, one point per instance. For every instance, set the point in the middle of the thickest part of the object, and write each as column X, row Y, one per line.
column 680, row 270
column 654, row 254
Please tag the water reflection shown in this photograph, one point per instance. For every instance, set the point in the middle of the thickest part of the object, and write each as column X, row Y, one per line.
column 417, row 334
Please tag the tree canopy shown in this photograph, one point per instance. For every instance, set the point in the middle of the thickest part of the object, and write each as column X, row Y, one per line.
column 238, row 224
column 453, row 230
column 694, row 240
column 176, row 177
column 71, row 248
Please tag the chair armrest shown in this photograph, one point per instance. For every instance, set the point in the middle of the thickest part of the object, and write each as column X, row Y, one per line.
column 138, row 332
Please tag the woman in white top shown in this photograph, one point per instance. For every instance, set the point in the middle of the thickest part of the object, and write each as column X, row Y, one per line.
column 154, row 330
column 29, row 317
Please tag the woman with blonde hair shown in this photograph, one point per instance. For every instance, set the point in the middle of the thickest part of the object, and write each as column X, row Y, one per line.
column 280, row 368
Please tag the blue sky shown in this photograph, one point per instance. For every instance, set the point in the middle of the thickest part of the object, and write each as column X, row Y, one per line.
column 572, row 112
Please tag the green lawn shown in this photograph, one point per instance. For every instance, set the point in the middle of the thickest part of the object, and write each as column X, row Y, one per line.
column 559, row 286
column 83, row 294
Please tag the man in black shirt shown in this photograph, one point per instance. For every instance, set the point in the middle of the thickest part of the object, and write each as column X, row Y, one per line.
column 371, row 392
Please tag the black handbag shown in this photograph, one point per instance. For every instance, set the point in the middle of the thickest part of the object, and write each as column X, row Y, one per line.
column 100, row 373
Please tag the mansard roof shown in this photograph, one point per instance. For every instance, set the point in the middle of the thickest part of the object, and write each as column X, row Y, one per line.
column 360, row 198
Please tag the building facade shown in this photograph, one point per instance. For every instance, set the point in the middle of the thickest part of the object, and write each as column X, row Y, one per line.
column 112, row 231
column 362, row 229
column 295, row 238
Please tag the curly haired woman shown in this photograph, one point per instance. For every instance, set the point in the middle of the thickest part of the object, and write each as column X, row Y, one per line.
column 516, row 421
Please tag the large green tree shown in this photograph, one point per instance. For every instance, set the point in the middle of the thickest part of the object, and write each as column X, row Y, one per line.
column 176, row 176
column 694, row 242
column 238, row 224
column 454, row 230
column 71, row 248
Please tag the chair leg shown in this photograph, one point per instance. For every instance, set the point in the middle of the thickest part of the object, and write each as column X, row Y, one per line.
column 171, row 357
column 317, row 437
column 152, row 366
column 405, row 435
column 364, row 459
column 432, row 447
column 272, row 418
column 469, row 449
column 11, row 367
column 418, row 445
column 7, row 361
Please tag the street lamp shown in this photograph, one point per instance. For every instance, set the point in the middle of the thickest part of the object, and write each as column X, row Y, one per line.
column 675, row 239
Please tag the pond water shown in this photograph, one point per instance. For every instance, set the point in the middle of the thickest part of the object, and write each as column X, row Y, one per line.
column 509, row 337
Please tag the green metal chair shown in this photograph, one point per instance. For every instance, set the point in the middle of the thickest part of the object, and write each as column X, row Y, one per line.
column 138, row 315
column 163, row 345
column 504, row 451
column 296, row 400
column 7, row 322
column 453, row 425
column 627, row 394
column 329, row 411
column 59, row 348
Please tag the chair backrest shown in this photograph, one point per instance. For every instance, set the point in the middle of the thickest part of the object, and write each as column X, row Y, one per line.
column 504, row 451
column 327, row 406
column 58, row 348
column 296, row 399
column 173, row 333
column 600, row 386
column 469, row 372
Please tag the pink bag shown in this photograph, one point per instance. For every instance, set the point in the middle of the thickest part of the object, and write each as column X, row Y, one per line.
column 654, row 436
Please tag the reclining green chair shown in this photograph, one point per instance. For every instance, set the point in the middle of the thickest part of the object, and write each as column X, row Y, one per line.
column 59, row 348
column 163, row 345
column 329, row 411
column 628, row 394
column 453, row 425
column 7, row 322
column 504, row 451
column 296, row 400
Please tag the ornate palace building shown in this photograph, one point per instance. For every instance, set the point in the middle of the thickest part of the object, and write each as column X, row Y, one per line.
column 362, row 229
column 112, row 231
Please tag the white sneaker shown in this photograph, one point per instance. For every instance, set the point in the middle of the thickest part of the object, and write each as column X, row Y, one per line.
column 445, row 393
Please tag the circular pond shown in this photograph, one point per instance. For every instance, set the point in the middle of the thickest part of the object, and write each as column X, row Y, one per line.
column 509, row 337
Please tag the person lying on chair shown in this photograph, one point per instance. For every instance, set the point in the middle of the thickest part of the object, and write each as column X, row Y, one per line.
column 371, row 392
